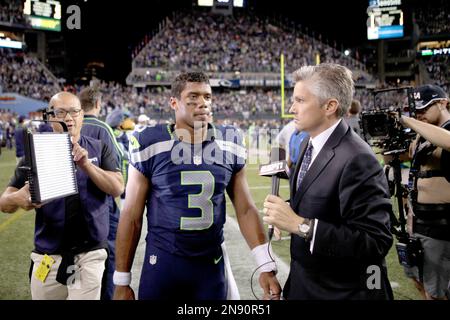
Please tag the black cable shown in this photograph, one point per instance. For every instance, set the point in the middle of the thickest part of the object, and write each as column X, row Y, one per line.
column 270, row 233
column 253, row 274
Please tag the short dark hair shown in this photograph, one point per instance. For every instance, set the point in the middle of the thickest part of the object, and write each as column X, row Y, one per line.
column 180, row 81
column 89, row 97
column 355, row 107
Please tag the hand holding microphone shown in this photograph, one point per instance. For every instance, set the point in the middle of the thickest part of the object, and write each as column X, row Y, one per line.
column 277, row 169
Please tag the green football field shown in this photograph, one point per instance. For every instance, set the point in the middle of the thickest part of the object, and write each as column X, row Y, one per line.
column 16, row 239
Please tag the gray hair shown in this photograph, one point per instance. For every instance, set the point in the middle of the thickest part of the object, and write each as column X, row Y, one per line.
column 329, row 80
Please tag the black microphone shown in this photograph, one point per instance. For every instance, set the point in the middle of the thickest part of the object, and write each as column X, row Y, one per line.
column 277, row 169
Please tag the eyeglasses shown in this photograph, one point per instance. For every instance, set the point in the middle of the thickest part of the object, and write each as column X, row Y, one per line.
column 61, row 114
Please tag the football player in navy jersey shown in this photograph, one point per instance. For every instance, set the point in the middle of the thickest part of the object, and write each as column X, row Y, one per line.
column 180, row 172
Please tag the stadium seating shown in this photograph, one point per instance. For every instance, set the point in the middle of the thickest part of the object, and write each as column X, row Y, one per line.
column 11, row 13
column 438, row 68
column 242, row 47
column 432, row 18
column 25, row 75
column 229, row 44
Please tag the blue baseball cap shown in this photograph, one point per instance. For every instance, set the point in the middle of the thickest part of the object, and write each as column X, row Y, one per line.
column 426, row 95
column 115, row 118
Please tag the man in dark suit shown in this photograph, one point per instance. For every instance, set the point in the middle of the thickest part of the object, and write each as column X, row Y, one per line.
column 340, row 204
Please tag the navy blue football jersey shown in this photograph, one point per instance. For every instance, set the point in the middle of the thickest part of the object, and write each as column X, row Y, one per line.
column 186, row 203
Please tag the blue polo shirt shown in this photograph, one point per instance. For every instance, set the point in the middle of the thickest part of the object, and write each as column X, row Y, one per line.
column 294, row 145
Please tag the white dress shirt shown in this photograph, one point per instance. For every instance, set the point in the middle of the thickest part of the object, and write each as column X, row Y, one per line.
column 318, row 142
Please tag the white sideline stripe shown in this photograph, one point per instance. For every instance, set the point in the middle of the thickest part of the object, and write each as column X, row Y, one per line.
column 282, row 266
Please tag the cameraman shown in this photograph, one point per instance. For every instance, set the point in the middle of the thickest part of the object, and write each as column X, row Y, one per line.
column 430, row 195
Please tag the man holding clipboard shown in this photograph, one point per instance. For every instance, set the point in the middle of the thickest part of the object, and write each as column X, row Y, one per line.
column 71, row 232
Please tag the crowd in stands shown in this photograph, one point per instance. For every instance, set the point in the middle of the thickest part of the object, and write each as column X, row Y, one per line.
column 244, row 43
column 25, row 75
column 155, row 101
column 11, row 11
column 438, row 68
column 231, row 104
column 433, row 17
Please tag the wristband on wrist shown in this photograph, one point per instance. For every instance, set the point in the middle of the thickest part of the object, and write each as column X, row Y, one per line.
column 263, row 259
column 121, row 278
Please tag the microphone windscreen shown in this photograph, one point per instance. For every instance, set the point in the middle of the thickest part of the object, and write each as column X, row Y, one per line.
column 277, row 154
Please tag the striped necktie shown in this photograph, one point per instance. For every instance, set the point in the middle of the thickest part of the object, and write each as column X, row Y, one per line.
column 305, row 164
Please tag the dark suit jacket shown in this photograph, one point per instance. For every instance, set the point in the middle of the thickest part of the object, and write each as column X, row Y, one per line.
column 346, row 190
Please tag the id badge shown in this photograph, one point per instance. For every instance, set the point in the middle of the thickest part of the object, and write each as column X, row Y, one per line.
column 44, row 268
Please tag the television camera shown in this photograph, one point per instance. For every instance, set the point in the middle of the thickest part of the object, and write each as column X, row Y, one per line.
column 382, row 129
column 381, row 126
